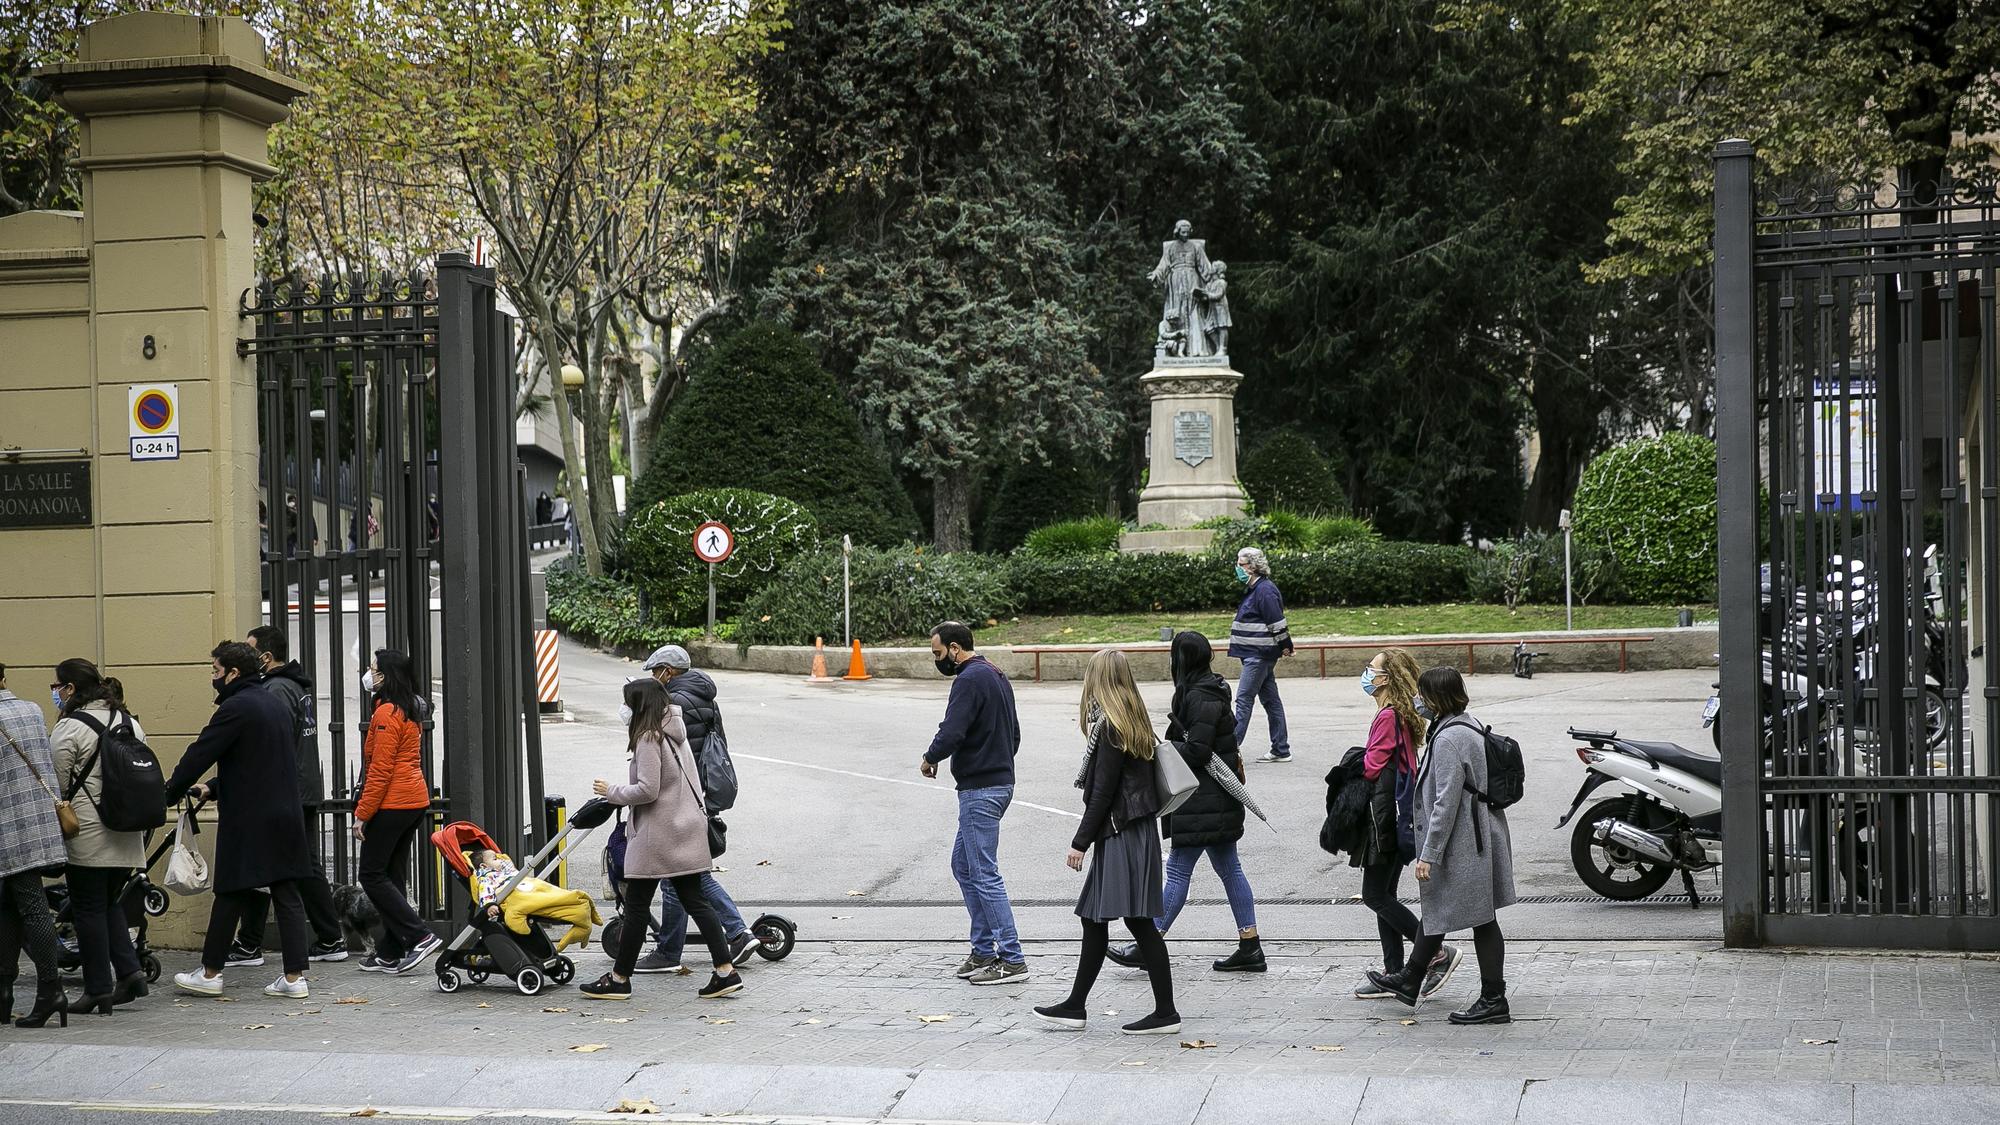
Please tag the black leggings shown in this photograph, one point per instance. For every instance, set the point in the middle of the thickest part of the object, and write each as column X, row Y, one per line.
column 385, row 864
column 1487, row 943
column 1152, row 951
column 1393, row 920
column 103, row 932
column 639, row 920
column 25, row 923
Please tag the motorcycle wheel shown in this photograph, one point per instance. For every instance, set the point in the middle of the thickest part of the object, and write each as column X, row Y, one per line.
column 1935, row 727
column 1615, row 873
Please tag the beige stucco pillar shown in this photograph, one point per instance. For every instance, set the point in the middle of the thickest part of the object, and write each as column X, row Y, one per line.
column 143, row 287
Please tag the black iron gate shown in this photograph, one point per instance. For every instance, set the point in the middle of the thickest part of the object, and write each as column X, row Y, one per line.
column 1859, row 487
column 392, row 517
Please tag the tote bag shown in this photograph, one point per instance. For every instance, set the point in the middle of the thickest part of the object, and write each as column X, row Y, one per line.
column 187, row 869
column 1173, row 780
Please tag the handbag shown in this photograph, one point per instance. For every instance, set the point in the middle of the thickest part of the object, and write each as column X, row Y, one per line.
column 187, row 869
column 1173, row 779
column 718, row 832
column 65, row 815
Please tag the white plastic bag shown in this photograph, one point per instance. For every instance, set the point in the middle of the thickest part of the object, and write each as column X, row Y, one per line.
column 187, row 869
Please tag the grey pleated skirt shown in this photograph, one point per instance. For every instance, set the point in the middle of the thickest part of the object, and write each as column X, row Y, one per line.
column 1126, row 875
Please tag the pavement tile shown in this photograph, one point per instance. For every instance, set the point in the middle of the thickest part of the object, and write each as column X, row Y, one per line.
column 830, row 1091
column 79, row 1072
column 964, row 1095
column 1439, row 1101
column 710, row 1089
column 225, row 1076
column 378, row 1080
column 1569, row 1101
column 1271, row 1100
column 1156, row 1099
column 580, row 1083
column 1733, row 1102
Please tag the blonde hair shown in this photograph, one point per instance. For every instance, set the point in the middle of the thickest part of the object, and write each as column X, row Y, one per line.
column 1109, row 692
column 1396, row 687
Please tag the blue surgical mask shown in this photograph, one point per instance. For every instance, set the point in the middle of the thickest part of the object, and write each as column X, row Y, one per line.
column 55, row 697
column 1424, row 709
column 1368, row 681
column 1242, row 575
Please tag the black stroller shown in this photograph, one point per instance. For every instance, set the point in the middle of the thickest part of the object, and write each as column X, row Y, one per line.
column 775, row 933
column 142, row 900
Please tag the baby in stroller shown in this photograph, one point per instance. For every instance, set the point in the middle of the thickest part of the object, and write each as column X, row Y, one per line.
column 510, row 906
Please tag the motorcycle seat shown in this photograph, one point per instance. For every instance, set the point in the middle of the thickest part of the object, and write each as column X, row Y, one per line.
column 1704, row 766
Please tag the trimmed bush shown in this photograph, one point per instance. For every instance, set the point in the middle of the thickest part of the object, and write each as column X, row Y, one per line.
column 1287, row 471
column 761, row 413
column 1529, row 570
column 1332, row 531
column 1652, row 503
column 1075, row 537
column 658, row 552
column 1289, row 531
column 606, row 610
column 1364, row 573
column 1031, row 495
column 898, row 592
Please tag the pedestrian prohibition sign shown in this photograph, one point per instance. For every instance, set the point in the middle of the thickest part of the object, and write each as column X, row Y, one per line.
column 156, row 421
column 713, row 542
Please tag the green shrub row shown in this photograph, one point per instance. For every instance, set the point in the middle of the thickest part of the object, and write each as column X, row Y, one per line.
column 1529, row 569
column 1075, row 537
column 1289, row 531
column 606, row 610
column 658, row 548
column 898, row 592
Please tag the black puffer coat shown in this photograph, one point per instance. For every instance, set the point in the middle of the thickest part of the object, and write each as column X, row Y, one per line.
column 1204, row 727
column 694, row 693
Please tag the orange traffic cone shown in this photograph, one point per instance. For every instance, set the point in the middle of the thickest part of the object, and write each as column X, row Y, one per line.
column 857, row 668
column 819, row 675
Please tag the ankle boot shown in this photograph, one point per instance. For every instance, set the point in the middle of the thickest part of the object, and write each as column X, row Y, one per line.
column 1403, row 985
column 50, row 1000
column 1248, row 958
column 6, row 1003
column 130, row 987
column 1491, row 1007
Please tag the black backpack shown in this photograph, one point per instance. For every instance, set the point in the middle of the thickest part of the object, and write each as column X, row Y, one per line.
column 131, row 790
column 1506, row 772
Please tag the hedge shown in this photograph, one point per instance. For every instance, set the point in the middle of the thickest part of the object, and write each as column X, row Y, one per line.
column 898, row 592
column 1363, row 573
column 1075, row 537
column 658, row 549
column 1652, row 502
column 606, row 610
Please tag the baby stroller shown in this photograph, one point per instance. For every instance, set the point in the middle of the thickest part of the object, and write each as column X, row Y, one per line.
column 775, row 933
column 141, row 898
column 486, row 946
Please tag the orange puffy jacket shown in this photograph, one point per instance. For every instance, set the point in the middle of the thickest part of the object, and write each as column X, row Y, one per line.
column 392, row 764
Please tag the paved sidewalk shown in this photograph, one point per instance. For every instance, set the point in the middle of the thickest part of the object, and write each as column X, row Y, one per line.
column 1638, row 1031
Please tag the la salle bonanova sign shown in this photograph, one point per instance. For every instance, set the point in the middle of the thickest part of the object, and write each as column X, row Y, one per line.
column 44, row 494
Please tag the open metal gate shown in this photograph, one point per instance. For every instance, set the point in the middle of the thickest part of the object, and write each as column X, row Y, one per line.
column 393, row 517
column 1858, row 484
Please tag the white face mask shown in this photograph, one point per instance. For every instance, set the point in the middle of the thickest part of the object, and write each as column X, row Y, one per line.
column 624, row 714
column 368, row 680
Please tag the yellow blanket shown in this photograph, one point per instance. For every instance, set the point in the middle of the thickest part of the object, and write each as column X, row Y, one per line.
column 546, row 901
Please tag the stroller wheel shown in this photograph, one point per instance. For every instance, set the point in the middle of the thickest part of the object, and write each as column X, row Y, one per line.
column 448, row 981
column 775, row 936
column 151, row 965
column 155, row 902
column 529, row 981
column 565, row 970
column 478, row 975
column 613, row 930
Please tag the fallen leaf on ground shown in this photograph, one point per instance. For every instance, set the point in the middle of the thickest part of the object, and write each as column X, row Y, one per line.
column 556, row 1011
column 352, row 1000
column 225, row 999
column 717, row 1023
column 857, row 894
column 812, row 1021
column 763, row 863
column 1818, row 1042
column 1328, row 1047
column 842, row 917
column 256, row 1027
column 365, row 1111
column 683, row 971
column 482, row 1004
column 1112, row 1012
column 719, row 869
column 1407, row 1023
column 933, row 1019
column 587, row 1048
column 635, row 1105
column 1196, row 1044
column 1134, row 1062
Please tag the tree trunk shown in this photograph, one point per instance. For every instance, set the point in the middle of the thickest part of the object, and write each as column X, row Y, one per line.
column 597, row 443
column 586, row 527
column 1565, row 424
column 951, row 509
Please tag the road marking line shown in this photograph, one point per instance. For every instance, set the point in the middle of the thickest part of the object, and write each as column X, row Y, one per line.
column 891, row 780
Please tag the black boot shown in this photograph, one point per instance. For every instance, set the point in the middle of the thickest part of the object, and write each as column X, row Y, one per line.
column 1491, row 1007
column 1248, row 958
column 50, row 1000
column 1404, row 986
column 130, row 987
column 85, row 1004
column 6, row 1003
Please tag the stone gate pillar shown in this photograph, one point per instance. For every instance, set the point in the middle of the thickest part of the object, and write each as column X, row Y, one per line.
column 141, row 288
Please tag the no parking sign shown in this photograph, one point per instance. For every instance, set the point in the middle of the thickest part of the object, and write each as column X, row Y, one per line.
column 155, row 412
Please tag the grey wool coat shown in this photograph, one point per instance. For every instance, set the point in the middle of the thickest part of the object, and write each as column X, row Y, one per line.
column 1466, row 843
column 667, row 833
column 30, row 837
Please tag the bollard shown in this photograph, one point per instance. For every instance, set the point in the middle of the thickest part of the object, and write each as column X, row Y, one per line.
column 548, row 673
column 555, row 815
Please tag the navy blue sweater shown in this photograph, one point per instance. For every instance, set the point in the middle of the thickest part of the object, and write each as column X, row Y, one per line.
column 980, row 733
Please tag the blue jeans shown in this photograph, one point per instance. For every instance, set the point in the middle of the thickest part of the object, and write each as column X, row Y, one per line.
column 674, row 918
column 975, row 863
column 1222, row 857
column 1260, row 685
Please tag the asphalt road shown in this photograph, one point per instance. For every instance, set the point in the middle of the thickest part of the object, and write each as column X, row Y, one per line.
column 836, row 828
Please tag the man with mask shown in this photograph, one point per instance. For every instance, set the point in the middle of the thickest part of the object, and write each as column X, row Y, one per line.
column 260, row 842
column 288, row 680
column 694, row 693
column 981, row 733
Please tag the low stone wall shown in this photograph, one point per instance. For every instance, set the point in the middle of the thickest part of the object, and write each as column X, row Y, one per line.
column 1667, row 648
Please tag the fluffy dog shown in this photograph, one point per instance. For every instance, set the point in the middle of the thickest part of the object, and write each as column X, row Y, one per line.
column 360, row 922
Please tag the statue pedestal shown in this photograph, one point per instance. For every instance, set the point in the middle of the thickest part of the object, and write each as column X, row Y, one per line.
column 1191, row 454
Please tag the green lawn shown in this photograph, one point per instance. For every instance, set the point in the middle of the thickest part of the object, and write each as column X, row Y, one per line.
column 1356, row 621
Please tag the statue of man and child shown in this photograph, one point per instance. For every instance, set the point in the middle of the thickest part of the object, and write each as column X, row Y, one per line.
column 1195, row 321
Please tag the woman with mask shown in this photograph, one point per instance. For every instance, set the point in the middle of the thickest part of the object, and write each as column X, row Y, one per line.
column 1121, row 832
column 101, row 861
column 1465, row 856
column 665, row 839
column 394, row 802
column 1390, row 766
column 1210, row 822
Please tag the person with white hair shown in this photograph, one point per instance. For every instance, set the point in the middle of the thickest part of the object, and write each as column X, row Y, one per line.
column 1258, row 637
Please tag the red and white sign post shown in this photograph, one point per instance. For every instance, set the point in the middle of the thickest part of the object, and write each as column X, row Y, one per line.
column 713, row 543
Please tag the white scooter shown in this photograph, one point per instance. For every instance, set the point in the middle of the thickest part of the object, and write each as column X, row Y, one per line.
column 1627, row 847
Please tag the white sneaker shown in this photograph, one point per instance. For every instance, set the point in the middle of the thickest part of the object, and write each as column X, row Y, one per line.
column 288, row 989
column 193, row 981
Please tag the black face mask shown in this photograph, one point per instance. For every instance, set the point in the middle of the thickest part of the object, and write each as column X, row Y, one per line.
column 218, row 683
column 946, row 666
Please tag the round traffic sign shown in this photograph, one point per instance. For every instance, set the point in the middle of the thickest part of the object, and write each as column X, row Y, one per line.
column 153, row 412
column 714, row 542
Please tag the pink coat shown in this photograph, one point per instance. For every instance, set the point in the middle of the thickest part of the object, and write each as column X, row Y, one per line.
column 667, row 831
